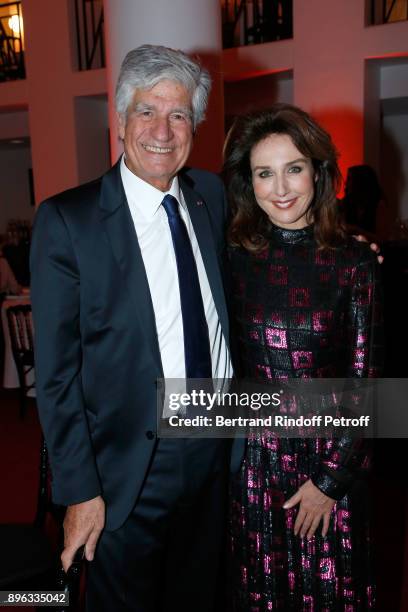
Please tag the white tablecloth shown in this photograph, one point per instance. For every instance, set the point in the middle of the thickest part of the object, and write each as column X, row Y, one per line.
column 10, row 376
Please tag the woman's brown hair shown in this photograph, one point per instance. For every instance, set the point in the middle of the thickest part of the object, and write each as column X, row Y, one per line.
column 249, row 223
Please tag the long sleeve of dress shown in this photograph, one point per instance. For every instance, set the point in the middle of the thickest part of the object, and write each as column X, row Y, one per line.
column 365, row 354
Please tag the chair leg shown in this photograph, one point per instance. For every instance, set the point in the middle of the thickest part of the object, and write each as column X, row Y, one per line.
column 22, row 391
column 23, row 402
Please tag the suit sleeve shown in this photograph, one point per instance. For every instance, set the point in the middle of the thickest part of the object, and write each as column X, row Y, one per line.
column 55, row 295
column 350, row 456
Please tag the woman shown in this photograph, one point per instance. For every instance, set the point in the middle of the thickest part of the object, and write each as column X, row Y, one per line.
column 305, row 300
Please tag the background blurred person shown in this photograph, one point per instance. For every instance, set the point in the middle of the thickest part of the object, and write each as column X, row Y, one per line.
column 362, row 198
column 8, row 282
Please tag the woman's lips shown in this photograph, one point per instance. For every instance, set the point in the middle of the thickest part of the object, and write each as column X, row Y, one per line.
column 284, row 204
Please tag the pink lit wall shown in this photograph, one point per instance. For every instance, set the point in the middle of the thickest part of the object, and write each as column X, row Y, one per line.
column 49, row 75
column 336, row 62
column 49, row 92
column 328, row 71
column 331, row 56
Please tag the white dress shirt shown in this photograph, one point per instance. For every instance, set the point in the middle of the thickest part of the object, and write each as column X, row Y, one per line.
column 155, row 241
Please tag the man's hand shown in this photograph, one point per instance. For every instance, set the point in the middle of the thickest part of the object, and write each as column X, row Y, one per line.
column 373, row 246
column 314, row 506
column 83, row 524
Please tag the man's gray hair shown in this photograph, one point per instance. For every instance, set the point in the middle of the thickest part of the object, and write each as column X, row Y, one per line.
column 147, row 65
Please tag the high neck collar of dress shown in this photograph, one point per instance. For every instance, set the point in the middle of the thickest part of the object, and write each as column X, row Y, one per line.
column 291, row 236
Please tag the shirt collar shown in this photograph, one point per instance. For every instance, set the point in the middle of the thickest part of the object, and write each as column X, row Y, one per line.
column 143, row 196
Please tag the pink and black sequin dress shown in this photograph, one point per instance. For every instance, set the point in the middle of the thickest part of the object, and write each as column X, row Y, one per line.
column 303, row 312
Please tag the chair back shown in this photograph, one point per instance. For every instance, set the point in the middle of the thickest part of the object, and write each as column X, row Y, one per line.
column 20, row 323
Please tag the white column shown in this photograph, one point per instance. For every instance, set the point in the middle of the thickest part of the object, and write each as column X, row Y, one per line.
column 194, row 26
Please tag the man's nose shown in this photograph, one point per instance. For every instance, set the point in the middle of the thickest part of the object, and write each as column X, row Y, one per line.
column 161, row 130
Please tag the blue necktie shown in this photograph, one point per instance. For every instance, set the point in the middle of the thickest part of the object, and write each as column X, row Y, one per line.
column 196, row 340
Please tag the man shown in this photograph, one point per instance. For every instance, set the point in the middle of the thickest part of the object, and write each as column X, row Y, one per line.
column 127, row 288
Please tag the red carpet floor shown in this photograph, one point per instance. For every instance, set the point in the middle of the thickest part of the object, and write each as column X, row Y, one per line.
column 19, row 462
column 19, row 457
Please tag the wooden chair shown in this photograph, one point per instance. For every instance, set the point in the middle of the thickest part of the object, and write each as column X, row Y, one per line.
column 20, row 324
column 28, row 558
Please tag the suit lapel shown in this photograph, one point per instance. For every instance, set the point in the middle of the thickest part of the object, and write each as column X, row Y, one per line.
column 118, row 223
column 200, row 219
column 117, row 220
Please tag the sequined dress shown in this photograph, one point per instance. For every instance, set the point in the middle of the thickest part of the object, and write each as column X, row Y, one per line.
column 303, row 312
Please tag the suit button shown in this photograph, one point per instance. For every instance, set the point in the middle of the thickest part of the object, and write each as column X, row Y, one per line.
column 150, row 435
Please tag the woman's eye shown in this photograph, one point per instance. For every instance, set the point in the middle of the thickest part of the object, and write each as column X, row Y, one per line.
column 264, row 174
column 295, row 169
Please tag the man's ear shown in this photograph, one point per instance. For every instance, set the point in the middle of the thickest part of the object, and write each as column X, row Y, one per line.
column 121, row 120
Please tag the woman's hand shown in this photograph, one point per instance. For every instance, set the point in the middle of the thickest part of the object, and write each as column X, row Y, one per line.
column 314, row 506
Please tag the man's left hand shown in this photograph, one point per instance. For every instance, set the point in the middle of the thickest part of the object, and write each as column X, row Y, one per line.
column 373, row 246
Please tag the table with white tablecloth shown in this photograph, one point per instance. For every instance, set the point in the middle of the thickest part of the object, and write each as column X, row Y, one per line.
column 10, row 376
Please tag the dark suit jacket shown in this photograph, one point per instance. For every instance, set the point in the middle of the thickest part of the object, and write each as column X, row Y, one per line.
column 97, row 354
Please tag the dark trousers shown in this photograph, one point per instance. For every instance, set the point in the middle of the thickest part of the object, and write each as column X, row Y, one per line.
column 167, row 555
